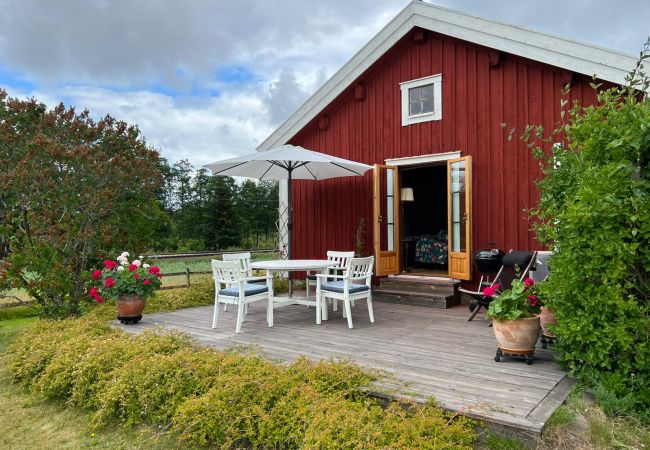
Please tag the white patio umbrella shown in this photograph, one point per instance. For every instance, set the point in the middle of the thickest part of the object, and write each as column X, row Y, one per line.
column 288, row 162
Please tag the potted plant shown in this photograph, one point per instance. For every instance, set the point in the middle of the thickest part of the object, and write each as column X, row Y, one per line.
column 128, row 283
column 515, row 316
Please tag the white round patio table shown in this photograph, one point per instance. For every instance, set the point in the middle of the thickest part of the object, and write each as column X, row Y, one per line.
column 295, row 265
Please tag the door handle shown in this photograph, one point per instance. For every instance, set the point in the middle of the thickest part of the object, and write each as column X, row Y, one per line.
column 380, row 219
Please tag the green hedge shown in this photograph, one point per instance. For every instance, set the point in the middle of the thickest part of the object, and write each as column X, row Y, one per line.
column 222, row 399
column 594, row 211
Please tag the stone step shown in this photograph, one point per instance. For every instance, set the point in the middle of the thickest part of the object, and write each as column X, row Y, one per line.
column 403, row 297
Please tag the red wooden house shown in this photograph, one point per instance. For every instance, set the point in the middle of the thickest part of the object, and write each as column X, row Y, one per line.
column 431, row 101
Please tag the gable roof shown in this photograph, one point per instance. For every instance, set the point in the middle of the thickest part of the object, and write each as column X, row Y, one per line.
column 582, row 58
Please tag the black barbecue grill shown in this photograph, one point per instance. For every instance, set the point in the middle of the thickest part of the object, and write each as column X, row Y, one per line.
column 488, row 261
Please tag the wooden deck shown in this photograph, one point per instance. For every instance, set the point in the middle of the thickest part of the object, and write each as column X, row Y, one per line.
column 426, row 352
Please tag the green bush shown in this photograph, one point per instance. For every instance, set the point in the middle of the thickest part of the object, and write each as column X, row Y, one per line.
column 594, row 210
column 221, row 399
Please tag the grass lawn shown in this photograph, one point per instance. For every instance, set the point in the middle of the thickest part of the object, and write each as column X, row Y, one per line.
column 29, row 422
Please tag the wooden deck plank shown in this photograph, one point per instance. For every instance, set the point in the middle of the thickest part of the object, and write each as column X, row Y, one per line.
column 425, row 352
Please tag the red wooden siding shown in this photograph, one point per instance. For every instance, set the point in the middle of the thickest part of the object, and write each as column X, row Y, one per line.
column 477, row 99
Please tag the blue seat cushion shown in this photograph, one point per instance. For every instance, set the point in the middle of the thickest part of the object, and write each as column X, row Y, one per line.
column 313, row 278
column 337, row 286
column 249, row 289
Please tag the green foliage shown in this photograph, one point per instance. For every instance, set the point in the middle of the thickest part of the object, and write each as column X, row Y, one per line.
column 221, row 399
column 518, row 302
column 71, row 188
column 215, row 213
column 499, row 442
column 594, row 210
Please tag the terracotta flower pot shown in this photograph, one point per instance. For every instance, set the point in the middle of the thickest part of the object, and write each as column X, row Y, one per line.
column 517, row 336
column 129, row 308
column 546, row 318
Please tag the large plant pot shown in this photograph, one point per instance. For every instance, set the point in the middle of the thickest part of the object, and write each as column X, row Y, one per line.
column 546, row 318
column 516, row 337
column 129, row 308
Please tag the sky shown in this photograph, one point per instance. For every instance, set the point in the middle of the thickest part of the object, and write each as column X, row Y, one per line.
column 210, row 79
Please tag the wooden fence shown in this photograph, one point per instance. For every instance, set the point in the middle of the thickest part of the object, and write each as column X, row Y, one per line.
column 188, row 278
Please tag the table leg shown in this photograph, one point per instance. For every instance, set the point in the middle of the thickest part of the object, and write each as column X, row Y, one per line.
column 323, row 304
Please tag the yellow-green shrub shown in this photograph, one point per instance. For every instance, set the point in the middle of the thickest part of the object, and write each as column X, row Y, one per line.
column 222, row 399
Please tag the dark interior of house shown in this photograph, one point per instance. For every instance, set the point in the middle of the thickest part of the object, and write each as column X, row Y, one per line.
column 424, row 220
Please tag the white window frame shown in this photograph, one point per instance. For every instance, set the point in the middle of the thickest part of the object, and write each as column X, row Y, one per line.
column 436, row 80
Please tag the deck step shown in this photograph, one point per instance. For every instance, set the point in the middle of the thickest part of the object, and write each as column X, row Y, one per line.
column 415, row 298
column 427, row 285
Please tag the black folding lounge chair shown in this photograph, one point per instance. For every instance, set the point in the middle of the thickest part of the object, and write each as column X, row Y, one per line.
column 515, row 265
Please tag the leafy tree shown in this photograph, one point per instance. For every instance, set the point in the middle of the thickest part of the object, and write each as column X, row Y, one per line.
column 594, row 211
column 72, row 189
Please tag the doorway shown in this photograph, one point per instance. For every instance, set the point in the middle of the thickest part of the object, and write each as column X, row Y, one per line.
column 424, row 218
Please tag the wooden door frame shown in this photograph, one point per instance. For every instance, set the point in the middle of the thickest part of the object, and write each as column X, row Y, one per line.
column 467, row 275
column 376, row 207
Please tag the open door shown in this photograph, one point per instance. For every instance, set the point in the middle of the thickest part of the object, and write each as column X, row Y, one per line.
column 459, row 201
column 386, row 220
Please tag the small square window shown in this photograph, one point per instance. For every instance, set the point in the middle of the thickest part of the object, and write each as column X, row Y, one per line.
column 421, row 100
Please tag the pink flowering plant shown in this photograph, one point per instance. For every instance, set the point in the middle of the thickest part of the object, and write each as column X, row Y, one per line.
column 519, row 302
column 123, row 277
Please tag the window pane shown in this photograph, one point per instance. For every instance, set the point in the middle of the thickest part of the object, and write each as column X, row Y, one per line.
column 414, row 94
column 415, row 108
column 427, row 91
column 427, row 105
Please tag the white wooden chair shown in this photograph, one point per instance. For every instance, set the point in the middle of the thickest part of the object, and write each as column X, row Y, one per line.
column 244, row 258
column 339, row 260
column 354, row 284
column 238, row 291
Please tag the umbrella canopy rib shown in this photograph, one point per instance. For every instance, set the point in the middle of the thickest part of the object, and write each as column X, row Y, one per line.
column 312, row 173
column 230, row 168
column 346, row 168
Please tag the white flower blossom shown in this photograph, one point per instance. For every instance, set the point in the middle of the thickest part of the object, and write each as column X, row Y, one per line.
column 137, row 262
column 124, row 262
column 146, row 266
column 140, row 257
column 120, row 268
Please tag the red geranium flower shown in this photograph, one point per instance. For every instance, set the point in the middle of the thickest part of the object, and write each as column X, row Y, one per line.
column 154, row 269
column 496, row 287
column 132, row 267
column 529, row 282
column 109, row 283
column 92, row 292
column 98, row 299
column 136, row 276
column 97, row 274
column 488, row 291
column 109, row 264
column 532, row 299
column 146, row 282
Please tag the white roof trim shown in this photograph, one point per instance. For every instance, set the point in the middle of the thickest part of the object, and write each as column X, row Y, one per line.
column 586, row 59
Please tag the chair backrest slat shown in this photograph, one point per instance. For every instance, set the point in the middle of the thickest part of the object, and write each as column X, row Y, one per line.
column 227, row 272
column 341, row 259
column 360, row 268
column 244, row 259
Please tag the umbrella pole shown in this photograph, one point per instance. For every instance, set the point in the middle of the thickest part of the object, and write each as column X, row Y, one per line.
column 289, row 229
